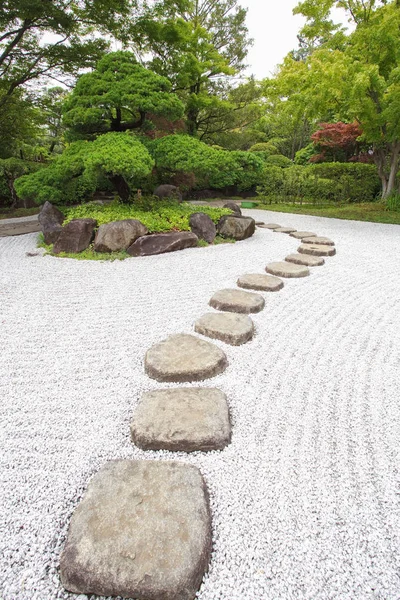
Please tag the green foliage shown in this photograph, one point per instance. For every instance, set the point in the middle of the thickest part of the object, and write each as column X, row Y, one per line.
column 393, row 202
column 163, row 216
column 326, row 182
column 10, row 170
column 119, row 95
column 211, row 167
column 303, row 156
column 75, row 175
column 267, row 148
column 278, row 160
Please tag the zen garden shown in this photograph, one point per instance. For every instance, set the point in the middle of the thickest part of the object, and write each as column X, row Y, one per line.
column 199, row 299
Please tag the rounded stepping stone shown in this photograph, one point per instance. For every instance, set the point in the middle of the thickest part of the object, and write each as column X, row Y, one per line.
column 305, row 259
column 270, row 226
column 285, row 230
column 316, row 250
column 142, row 530
column 231, row 328
column 184, row 357
column 324, row 241
column 238, row 301
column 287, row 269
column 299, row 235
column 257, row 281
column 182, row 419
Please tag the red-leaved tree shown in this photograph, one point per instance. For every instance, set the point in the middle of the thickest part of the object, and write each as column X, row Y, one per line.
column 337, row 142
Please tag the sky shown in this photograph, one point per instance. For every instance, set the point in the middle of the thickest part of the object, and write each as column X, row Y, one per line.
column 274, row 29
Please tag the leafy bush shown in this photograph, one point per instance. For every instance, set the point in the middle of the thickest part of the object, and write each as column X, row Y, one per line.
column 10, row 170
column 155, row 214
column 393, row 202
column 267, row 148
column 278, row 160
column 357, row 182
column 303, row 156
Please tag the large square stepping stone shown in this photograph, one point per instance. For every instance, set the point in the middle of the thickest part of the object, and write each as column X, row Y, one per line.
column 305, row 259
column 316, row 249
column 184, row 357
column 142, row 530
column 270, row 226
column 185, row 419
column 238, row 301
column 318, row 240
column 287, row 269
column 258, row 281
column 302, row 234
column 232, row 328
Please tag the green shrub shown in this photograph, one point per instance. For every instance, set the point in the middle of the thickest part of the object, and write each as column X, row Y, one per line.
column 393, row 202
column 267, row 148
column 303, row 156
column 357, row 182
column 278, row 160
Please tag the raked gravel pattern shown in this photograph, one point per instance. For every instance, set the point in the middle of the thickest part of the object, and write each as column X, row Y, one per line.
column 305, row 499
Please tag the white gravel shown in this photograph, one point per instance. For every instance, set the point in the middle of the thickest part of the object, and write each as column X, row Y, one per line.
column 305, row 500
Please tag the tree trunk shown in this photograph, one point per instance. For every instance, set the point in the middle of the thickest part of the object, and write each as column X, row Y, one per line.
column 123, row 189
column 381, row 158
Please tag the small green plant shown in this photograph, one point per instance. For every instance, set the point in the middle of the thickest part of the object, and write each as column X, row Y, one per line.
column 393, row 202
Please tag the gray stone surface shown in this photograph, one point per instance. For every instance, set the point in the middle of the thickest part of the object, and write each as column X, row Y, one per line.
column 324, row 241
column 51, row 220
column 203, row 226
column 142, row 530
column 182, row 419
column 299, row 235
column 19, row 226
column 159, row 243
column 184, row 357
column 287, row 269
column 118, row 235
column 305, row 259
column 272, row 226
column 284, row 230
column 168, row 191
column 231, row 328
column 316, row 249
column 238, row 228
column 258, row 281
column 234, row 300
column 233, row 206
column 259, row 223
column 75, row 236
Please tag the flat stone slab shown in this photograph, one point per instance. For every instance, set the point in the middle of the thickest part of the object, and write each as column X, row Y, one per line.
column 232, row 328
column 238, row 301
column 324, row 241
column 142, row 530
column 285, row 230
column 299, row 235
column 287, row 269
column 305, row 259
column 184, row 357
column 316, row 250
column 258, row 281
column 182, row 419
column 259, row 223
column 19, row 227
column 270, row 226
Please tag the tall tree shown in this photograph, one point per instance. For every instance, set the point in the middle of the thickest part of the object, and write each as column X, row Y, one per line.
column 198, row 45
column 352, row 77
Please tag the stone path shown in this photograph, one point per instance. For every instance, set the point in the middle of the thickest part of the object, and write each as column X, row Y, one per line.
column 19, row 226
column 181, row 419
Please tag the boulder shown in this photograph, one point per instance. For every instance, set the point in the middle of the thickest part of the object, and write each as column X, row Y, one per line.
column 75, row 236
column 203, row 226
column 238, row 228
column 168, row 191
column 142, row 530
column 233, row 206
column 51, row 220
column 118, row 235
column 182, row 419
column 158, row 243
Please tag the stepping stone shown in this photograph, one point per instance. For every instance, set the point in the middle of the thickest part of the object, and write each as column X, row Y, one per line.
column 305, row 259
column 182, row 419
column 230, row 327
column 271, row 226
column 287, row 269
column 183, row 357
column 284, row 230
column 259, row 223
column 316, row 250
column 142, row 530
column 238, row 301
column 318, row 240
column 257, row 281
column 299, row 235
